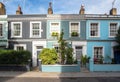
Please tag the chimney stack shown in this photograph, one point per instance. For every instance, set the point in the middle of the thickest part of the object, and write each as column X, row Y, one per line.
column 2, row 9
column 19, row 11
column 113, row 11
column 82, row 10
column 50, row 11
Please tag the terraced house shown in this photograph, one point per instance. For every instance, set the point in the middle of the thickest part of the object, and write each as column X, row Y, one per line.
column 27, row 32
column 3, row 27
column 88, row 34
column 101, row 31
column 74, row 28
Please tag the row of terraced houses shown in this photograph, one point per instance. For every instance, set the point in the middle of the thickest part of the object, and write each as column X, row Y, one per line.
column 89, row 34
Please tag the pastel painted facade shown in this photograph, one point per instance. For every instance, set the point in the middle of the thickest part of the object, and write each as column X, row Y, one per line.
column 35, row 33
column 101, row 31
column 27, row 32
column 68, row 23
column 3, row 32
column 91, row 35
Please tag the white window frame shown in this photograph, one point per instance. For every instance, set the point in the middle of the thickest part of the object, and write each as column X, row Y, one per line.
column 31, row 30
column 70, row 28
column 51, row 27
column 2, row 29
column 98, row 29
column 22, row 45
column 12, row 29
column 109, row 28
column 99, row 46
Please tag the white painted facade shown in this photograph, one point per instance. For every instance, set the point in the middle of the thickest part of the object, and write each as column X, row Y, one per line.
column 36, row 44
column 82, row 44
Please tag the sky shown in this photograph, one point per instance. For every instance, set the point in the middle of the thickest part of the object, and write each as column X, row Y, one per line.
column 61, row 6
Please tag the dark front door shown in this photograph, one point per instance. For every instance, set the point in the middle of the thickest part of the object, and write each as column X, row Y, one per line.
column 117, row 56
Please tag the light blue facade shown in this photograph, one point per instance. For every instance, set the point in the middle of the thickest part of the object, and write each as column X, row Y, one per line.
column 107, row 49
column 103, row 29
column 103, row 39
column 64, row 22
column 4, row 36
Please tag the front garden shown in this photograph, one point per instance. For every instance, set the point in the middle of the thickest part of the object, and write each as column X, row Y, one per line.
column 11, row 60
column 61, row 60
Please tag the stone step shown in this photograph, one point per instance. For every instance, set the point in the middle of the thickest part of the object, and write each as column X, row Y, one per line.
column 83, row 69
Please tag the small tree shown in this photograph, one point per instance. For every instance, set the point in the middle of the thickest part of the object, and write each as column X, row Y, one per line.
column 62, row 49
column 69, row 58
column 65, row 50
column 48, row 56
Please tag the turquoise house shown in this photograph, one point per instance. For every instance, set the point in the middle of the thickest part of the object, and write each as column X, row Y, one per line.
column 101, row 31
column 74, row 28
column 3, row 32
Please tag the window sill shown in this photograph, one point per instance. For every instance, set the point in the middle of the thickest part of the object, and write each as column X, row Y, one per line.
column 94, row 37
column 35, row 37
column 16, row 37
column 111, row 36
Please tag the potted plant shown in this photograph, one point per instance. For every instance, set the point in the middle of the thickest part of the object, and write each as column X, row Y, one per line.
column 55, row 34
column 74, row 34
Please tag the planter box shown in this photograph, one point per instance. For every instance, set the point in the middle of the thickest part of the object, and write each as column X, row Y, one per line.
column 60, row 68
column 103, row 67
column 106, row 67
column 14, row 68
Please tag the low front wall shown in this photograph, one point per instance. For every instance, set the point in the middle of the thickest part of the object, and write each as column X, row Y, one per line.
column 61, row 68
column 14, row 68
column 106, row 67
column 103, row 67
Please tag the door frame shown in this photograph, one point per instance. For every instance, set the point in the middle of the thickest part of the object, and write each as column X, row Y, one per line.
column 79, row 58
column 34, row 53
column 83, row 44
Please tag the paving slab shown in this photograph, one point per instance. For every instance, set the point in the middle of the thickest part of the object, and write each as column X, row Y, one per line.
column 58, row 75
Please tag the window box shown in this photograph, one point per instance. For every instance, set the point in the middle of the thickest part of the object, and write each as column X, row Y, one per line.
column 55, row 34
column 74, row 34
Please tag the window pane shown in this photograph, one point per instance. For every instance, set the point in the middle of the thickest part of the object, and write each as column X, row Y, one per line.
column 20, row 48
column 55, row 27
column 39, row 47
column 1, row 32
column 36, row 29
column 35, row 25
column 98, row 52
column 74, row 27
column 94, row 29
column 113, row 29
column 17, row 30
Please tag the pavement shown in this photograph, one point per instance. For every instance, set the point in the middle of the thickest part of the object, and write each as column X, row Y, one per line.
column 58, row 75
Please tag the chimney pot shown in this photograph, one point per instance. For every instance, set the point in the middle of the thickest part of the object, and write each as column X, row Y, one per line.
column 113, row 11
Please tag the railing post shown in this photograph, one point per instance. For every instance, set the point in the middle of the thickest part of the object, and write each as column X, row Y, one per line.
column 39, row 64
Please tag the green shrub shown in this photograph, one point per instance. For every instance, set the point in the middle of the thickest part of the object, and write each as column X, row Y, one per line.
column 48, row 56
column 69, row 55
column 84, row 59
column 14, row 57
